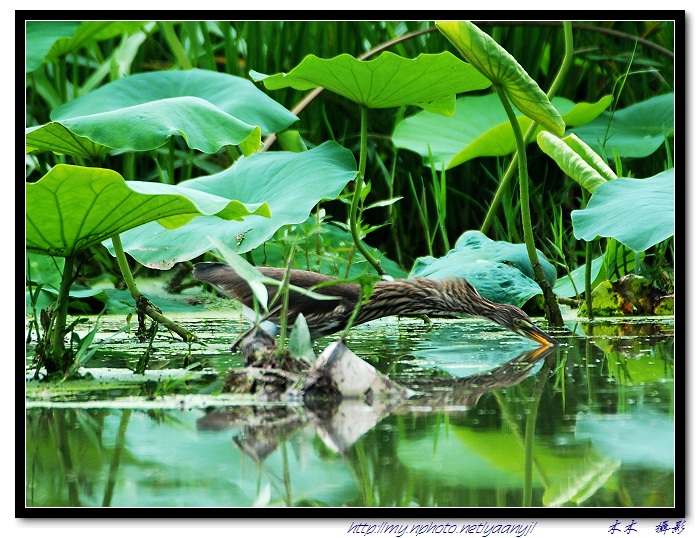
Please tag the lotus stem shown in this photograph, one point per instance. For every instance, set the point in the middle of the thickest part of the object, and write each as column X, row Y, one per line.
column 505, row 180
column 355, row 206
column 552, row 312
column 141, row 301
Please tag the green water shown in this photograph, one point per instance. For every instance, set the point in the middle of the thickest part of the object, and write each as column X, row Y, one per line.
column 589, row 424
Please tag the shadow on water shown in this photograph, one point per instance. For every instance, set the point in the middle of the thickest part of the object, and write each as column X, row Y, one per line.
column 495, row 421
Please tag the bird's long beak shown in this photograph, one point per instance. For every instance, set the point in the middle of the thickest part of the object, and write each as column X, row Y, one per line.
column 532, row 331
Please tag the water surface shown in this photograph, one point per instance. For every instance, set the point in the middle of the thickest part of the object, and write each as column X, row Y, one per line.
column 589, row 424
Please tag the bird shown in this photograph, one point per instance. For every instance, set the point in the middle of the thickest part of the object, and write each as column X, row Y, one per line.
column 438, row 298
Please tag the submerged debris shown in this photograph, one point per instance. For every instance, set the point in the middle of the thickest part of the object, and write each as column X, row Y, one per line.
column 260, row 350
column 339, row 373
column 266, row 384
column 336, row 375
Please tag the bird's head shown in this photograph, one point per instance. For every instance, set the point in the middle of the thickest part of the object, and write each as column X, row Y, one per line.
column 513, row 318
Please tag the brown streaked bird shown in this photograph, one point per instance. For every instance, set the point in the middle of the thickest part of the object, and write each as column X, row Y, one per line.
column 406, row 297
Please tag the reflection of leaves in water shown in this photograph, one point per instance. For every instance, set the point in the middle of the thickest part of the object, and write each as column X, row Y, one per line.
column 653, row 430
column 467, row 391
column 419, row 454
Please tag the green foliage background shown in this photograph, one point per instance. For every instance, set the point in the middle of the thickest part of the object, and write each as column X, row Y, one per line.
column 633, row 61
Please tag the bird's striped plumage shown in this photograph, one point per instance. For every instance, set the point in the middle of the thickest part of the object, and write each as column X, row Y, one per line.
column 405, row 297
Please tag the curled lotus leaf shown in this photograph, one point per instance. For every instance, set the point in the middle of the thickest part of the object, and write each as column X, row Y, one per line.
column 499, row 66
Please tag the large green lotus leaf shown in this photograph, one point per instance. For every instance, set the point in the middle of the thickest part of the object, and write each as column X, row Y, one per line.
column 635, row 131
column 234, row 96
column 387, row 81
column 141, row 112
column 501, row 68
column 290, row 183
column 637, row 212
column 479, row 127
column 41, row 36
column 59, row 139
column 148, row 126
column 73, row 207
column 500, row 271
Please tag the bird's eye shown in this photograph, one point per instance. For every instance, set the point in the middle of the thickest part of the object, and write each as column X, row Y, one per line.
column 521, row 322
